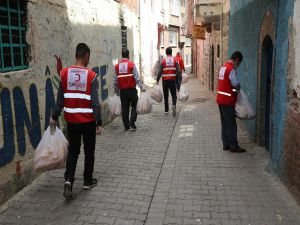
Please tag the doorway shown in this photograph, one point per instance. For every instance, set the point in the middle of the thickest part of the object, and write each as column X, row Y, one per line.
column 265, row 97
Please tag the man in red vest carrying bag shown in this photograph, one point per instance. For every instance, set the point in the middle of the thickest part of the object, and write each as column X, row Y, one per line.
column 180, row 61
column 171, row 79
column 78, row 96
column 126, row 78
column 228, row 87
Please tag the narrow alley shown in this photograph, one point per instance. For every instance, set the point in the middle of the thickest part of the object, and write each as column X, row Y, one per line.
column 171, row 171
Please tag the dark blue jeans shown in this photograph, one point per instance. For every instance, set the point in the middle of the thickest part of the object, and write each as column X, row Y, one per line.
column 128, row 98
column 169, row 85
column 229, row 127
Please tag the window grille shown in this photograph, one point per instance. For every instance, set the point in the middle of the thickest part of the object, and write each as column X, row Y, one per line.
column 13, row 47
column 124, row 37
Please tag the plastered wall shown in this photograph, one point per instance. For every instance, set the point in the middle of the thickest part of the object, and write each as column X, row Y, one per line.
column 55, row 27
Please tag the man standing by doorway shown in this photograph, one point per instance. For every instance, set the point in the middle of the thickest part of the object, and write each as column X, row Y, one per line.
column 171, row 79
column 78, row 96
column 228, row 87
column 126, row 78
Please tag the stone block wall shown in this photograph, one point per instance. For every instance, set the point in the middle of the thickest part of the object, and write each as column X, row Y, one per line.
column 245, row 36
column 292, row 124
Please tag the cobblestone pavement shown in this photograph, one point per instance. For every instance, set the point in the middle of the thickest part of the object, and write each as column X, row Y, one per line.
column 171, row 171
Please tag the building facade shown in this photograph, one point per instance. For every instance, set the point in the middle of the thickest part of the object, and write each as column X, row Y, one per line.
column 173, row 33
column 210, row 52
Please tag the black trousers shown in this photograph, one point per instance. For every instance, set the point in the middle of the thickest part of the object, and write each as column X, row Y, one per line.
column 88, row 133
column 169, row 85
column 229, row 127
column 128, row 98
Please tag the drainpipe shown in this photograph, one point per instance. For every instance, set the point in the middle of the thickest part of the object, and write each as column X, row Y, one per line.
column 140, row 42
column 221, row 34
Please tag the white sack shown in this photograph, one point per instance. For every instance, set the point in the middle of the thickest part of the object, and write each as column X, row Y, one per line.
column 243, row 108
column 52, row 151
column 144, row 104
column 156, row 93
column 114, row 104
column 183, row 94
column 185, row 78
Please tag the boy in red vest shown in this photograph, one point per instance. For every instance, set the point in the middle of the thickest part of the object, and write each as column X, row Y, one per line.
column 78, row 96
column 126, row 78
column 171, row 79
column 228, row 87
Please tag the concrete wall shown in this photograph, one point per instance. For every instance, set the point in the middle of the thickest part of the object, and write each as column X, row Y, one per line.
column 26, row 97
column 150, row 17
column 244, row 36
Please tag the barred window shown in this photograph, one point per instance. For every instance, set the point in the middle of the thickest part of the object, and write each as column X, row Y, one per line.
column 13, row 47
column 124, row 37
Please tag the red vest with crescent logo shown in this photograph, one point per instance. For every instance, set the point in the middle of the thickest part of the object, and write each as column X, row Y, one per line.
column 124, row 71
column 169, row 68
column 76, row 84
column 225, row 94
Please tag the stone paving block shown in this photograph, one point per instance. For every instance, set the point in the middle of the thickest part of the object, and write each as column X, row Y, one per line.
column 105, row 220
column 124, row 222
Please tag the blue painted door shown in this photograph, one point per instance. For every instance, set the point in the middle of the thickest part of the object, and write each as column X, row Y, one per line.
column 267, row 67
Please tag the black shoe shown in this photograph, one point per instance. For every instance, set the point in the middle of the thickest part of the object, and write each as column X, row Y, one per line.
column 127, row 129
column 68, row 190
column 226, row 148
column 238, row 150
column 132, row 126
column 174, row 110
column 89, row 184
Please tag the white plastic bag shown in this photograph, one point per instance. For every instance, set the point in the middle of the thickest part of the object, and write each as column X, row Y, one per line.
column 185, row 78
column 52, row 151
column 144, row 104
column 243, row 108
column 183, row 94
column 156, row 93
column 114, row 104
column 149, row 81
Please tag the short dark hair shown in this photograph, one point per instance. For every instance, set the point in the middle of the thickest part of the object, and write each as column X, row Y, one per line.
column 125, row 53
column 169, row 51
column 237, row 55
column 81, row 50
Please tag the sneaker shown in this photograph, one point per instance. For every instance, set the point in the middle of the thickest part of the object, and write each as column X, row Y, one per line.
column 226, row 148
column 67, row 190
column 127, row 129
column 90, row 184
column 238, row 150
column 174, row 110
column 166, row 112
column 132, row 126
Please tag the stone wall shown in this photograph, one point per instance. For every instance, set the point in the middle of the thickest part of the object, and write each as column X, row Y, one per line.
column 244, row 36
column 292, row 125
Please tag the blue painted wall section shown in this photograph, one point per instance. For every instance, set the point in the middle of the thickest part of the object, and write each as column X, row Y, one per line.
column 286, row 10
column 23, row 119
column 49, row 103
column 102, row 71
column 244, row 36
column 7, row 152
